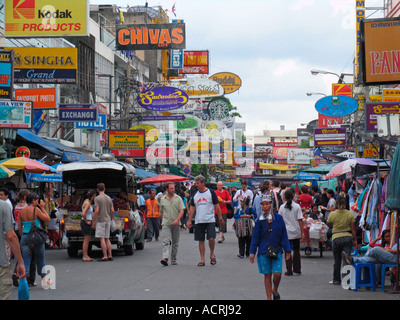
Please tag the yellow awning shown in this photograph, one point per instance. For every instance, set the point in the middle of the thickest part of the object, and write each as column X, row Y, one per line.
column 277, row 167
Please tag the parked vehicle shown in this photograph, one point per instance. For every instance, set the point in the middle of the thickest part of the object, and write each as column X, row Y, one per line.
column 120, row 179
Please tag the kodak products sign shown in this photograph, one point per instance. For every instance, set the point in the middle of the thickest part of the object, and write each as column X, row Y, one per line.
column 151, row 36
column 41, row 18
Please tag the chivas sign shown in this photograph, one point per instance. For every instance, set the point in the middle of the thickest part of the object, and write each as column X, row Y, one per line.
column 150, row 36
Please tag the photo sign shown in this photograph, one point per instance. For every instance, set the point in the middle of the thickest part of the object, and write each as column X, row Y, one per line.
column 163, row 99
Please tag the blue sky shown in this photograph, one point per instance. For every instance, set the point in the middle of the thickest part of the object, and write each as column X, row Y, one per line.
column 272, row 46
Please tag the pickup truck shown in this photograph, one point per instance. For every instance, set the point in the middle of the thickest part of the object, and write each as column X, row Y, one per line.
column 118, row 177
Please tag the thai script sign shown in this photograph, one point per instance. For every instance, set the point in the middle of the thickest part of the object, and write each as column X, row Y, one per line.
column 162, row 99
column 150, row 36
column 45, row 18
column 195, row 62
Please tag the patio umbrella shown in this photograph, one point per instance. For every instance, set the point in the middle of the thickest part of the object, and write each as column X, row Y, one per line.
column 393, row 200
column 307, row 176
column 5, row 172
column 347, row 166
column 163, row 178
column 27, row 165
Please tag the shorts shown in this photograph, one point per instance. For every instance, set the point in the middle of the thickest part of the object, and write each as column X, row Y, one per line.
column 86, row 228
column 103, row 229
column 5, row 283
column 267, row 265
column 200, row 230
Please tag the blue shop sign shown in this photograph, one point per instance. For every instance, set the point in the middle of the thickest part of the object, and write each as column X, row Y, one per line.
column 100, row 124
column 336, row 106
column 84, row 112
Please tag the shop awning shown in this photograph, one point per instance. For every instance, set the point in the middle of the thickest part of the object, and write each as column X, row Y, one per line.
column 55, row 147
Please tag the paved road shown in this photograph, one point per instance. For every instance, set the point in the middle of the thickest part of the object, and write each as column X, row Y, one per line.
column 142, row 277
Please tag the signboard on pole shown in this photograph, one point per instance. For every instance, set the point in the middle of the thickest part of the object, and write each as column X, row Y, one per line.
column 128, row 143
column 85, row 112
column 330, row 137
column 6, row 74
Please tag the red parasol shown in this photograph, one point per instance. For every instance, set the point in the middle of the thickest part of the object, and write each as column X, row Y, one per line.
column 163, row 178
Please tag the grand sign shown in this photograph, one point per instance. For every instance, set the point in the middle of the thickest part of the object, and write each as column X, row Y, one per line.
column 45, row 65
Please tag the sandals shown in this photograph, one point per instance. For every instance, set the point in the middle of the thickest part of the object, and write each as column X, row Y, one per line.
column 164, row 262
column 86, row 259
column 213, row 261
column 201, row 264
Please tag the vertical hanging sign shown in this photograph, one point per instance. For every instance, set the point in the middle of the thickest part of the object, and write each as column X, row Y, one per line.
column 360, row 15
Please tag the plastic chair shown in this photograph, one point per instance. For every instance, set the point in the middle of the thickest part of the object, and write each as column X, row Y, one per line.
column 383, row 274
column 365, row 276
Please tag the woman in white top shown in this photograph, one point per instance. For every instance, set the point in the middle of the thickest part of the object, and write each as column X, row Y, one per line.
column 293, row 217
column 86, row 223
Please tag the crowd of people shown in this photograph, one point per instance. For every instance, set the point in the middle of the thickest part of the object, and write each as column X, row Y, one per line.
column 268, row 223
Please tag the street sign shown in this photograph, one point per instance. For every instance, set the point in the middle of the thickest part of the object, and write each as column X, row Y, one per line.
column 336, row 106
column 83, row 112
column 330, row 137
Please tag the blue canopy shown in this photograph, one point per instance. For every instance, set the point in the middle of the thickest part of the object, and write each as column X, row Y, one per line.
column 142, row 174
column 307, row 177
column 66, row 153
column 51, row 177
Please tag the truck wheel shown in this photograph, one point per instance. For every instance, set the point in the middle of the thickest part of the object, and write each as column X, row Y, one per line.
column 72, row 251
column 128, row 249
column 139, row 245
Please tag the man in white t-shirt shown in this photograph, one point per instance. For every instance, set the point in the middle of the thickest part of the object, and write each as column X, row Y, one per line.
column 205, row 203
column 245, row 192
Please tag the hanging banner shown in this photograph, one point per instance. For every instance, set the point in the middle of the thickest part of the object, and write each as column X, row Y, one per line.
column 46, row 18
column 150, row 36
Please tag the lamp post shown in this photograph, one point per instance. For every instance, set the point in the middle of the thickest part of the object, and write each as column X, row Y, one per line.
column 314, row 72
column 315, row 93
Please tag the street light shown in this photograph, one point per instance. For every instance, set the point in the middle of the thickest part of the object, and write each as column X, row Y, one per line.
column 314, row 72
column 315, row 93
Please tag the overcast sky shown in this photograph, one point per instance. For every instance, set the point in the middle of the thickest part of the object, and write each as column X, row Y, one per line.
column 272, row 46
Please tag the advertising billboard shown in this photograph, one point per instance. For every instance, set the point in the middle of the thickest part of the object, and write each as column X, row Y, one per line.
column 42, row 98
column 46, row 18
column 150, row 36
column 373, row 110
column 162, row 99
column 195, row 62
column 128, row 143
column 6, row 74
column 16, row 114
column 330, row 137
column 229, row 81
column 380, row 58
column 45, row 65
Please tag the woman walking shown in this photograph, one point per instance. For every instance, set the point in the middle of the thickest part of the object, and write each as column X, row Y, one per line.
column 293, row 217
column 244, row 224
column 34, row 213
column 268, row 241
column 86, row 223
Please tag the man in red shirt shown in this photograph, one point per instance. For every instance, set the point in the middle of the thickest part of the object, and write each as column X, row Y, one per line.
column 224, row 197
column 305, row 199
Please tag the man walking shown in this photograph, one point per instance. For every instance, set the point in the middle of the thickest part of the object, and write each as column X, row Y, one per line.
column 171, row 212
column 103, row 214
column 204, row 202
column 7, row 234
column 153, row 215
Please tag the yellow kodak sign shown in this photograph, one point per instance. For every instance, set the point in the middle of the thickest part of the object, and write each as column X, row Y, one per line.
column 46, row 18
